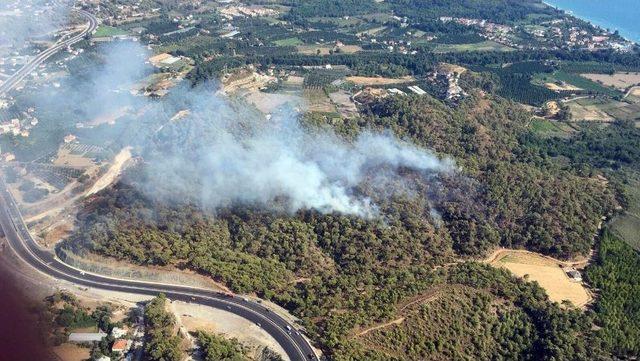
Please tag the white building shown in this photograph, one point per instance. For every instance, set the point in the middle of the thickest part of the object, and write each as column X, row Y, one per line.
column 118, row 332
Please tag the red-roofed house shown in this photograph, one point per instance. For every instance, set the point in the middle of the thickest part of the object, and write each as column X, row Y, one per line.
column 120, row 346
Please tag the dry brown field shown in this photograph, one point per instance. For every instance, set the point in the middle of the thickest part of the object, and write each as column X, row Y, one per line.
column 371, row 80
column 544, row 270
column 588, row 113
column 565, row 87
column 620, row 80
column 71, row 352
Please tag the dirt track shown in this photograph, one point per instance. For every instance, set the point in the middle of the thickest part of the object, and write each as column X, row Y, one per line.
column 113, row 172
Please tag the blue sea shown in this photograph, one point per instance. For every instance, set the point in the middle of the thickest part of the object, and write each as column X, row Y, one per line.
column 621, row 15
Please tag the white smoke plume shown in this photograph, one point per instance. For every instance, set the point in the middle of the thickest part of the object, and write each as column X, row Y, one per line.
column 225, row 156
column 221, row 154
column 22, row 20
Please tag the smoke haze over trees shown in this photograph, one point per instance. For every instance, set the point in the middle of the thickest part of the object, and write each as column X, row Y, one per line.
column 202, row 147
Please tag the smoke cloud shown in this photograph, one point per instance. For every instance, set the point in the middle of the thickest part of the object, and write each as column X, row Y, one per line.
column 221, row 163
column 21, row 20
column 202, row 147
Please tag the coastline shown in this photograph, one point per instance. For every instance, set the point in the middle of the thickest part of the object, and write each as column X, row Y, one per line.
column 625, row 34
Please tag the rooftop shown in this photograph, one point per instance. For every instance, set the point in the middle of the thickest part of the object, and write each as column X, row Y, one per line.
column 119, row 345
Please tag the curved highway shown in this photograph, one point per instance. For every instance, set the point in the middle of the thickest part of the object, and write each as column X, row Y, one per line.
column 45, row 261
column 10, row 83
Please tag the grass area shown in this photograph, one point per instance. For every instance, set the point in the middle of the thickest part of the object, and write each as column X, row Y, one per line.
column 584, row 83
column 318, row 101
column 622, row 110
column 288, row 42
column 625, row 110
column 104, row 30
column 481, row 46
column 372, row 30
column 627, row 225
column 544, row 126
column 338, row 21
column 547, row 128
column 85, row 329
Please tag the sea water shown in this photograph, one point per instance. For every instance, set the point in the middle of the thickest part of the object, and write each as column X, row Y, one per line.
column 621, row 15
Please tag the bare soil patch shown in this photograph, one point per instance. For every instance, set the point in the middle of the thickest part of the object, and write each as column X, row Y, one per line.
column 346, row 106
column 269, row 102
column 380, row 326
column 245, row 79
column 72, row 352
column 294, row 80
column 66, row 157
column 563, row 87
column 370, row 80
column 113, row 172
column 56, row 232
column 196, row 317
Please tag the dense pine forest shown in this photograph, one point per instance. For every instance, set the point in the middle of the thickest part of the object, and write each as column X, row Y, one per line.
column 467, row 83
column 508, row 193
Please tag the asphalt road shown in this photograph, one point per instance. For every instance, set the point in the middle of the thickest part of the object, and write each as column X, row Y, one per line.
column 11, row 82
column 45, row 261
column 20, row 240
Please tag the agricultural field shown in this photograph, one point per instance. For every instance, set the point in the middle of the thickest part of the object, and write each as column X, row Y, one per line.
column 549, row 128
column 327, row 49
column 481, row 46
column 270, row 102
column 346, row 106
column 76, row 155
column 105, row 30
column 338, row 21
column 588, row 110
column 564, row 81
column 627, row 224
column 622, row 110
column 293, row 41
column 372, row 31
column 620, row 80
column 603, row 109
column 69, row 351
column 546, row 271
column 318, row 101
